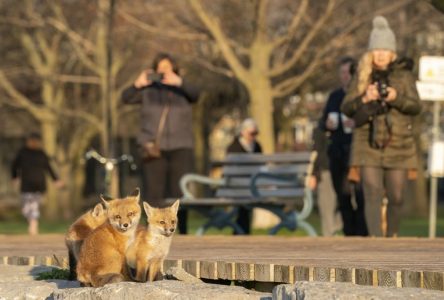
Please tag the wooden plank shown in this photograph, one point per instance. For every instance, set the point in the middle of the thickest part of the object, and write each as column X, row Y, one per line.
column 387, row 278
column 321, row 274
column 301, row 273
column 244, row 271
column 226, row 270
column 4, row 260
column 264, row 272
column 343, row 275
column 364, row 277
column 192, row 267
column 283, row 273
column 168, row 263
column 434, row 280
column 13, row 260
column 208, row 269
column 410, row 278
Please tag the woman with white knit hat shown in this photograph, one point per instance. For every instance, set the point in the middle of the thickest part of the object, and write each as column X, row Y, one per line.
column 383, row 101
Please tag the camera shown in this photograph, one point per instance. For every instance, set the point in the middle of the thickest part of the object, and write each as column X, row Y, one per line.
column 382, row 83
column 155, row 77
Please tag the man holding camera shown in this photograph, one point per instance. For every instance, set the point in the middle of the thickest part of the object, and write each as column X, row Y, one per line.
column 166, row 136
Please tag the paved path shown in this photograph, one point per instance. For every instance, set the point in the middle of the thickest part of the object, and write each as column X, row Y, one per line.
column 416, row 254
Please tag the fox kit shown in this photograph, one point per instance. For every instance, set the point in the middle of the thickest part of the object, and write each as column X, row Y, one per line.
column 102, row 256
column 152, row 244
column 78, row 231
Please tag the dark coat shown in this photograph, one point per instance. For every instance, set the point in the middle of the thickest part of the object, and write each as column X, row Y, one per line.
column 31, row 166
column 236, row 147
column 400, row 153
column 177, row 133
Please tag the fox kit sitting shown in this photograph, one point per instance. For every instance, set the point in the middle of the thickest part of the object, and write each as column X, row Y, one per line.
column 78, row 231
column 152, row 244
column 102, row 256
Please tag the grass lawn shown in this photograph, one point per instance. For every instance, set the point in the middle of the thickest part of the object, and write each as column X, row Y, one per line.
column 410, row 226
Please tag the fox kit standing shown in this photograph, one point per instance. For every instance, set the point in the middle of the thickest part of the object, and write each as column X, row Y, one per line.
column 152, row 244
column 102, row 256
column 78, row 231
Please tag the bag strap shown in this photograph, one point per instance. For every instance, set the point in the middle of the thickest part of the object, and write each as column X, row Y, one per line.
column 162, row 121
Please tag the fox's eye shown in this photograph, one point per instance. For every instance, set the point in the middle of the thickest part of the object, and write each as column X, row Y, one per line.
column 131, row 214
column 162, row 222
column 118, row 217
column 173, row 222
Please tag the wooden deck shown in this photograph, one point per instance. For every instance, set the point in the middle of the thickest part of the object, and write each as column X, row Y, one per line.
column 397, row 262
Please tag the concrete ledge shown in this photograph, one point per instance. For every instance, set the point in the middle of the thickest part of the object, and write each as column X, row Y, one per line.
column 347, row 291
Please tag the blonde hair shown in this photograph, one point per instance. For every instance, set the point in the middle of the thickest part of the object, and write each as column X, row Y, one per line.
column 365, row 68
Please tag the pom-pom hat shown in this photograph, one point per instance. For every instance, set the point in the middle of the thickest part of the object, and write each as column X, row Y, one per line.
column 382, row 36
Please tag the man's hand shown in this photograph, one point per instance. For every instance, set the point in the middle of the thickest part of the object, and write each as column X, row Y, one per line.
column 312, row 182
column 143, row 80
column 172, row 79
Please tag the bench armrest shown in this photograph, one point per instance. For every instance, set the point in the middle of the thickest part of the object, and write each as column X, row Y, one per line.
column 188, row 178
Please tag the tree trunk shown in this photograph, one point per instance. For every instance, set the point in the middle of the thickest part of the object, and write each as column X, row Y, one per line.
column 49, row 138
column 261, row 109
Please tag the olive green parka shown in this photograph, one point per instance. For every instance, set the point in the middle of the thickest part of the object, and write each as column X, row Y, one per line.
column 400, row 152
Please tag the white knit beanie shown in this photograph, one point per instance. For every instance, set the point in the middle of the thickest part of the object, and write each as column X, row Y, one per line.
column 381, row 37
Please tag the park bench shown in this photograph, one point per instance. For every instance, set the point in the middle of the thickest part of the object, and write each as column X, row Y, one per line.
column 275, row 182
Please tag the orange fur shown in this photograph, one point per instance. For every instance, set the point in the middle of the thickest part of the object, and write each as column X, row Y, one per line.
column 152, row 244
column 78, row 231
column 102, row 256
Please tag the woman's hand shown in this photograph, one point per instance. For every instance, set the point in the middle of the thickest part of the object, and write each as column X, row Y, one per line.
column 392, row 94
column 172, row 78
column 371, row 94
column 142, row 80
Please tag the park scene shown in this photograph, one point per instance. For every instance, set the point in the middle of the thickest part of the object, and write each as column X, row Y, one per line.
column 221, row 149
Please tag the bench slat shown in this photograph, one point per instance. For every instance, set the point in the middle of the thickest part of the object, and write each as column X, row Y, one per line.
column 245, row 182
column 255, row 158
column 249, row 170
column 246, row 193
column 227, row 201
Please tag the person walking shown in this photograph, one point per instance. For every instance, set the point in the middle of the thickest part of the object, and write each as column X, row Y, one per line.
column 28, row 171
column 246, row 142
column 166, row 136
column 349, row 196
column 383, row 101
column 331, row 221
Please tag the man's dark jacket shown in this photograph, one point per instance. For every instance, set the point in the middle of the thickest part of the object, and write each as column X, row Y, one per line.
column 31, row 166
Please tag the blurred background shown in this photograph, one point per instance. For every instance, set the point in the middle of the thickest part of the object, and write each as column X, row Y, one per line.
column 65, row 63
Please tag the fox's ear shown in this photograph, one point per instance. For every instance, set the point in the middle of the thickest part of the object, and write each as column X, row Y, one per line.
column 148, row 209
column 175, row 205
column 104, row 201
column 136, row 194
column 97, row 210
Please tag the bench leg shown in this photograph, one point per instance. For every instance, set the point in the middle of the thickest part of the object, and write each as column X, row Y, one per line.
column 307, row 227
column 220, row 219
column 288, row 220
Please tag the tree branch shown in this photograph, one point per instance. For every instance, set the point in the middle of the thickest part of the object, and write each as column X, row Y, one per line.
column 21, row 100
column 293, row 26
column 220, row 38
column 155, row 30
column 279, row 69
